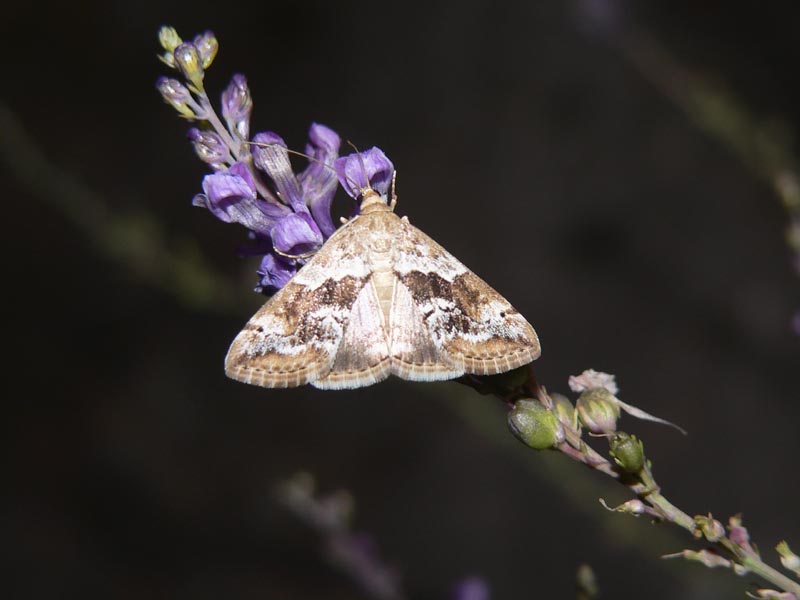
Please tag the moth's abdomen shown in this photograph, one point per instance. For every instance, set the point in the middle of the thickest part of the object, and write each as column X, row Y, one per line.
column 383, row 279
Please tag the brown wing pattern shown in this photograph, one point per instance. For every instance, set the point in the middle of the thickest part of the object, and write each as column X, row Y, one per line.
column 473, row 327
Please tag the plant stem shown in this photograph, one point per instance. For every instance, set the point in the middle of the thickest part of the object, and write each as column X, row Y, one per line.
column 649, row 492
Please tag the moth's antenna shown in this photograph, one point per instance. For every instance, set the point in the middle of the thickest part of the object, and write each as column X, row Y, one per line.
column 304, row 155
column 363, row 166
column 304, row 255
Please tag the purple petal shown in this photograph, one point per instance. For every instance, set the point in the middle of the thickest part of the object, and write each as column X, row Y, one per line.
column 231, row 197
column 318, row 181
column 241, row 169
column 275, row 272
column 296, row 234
column 324, row 138
column 223, row 189
column 373, row 163
column 272, row 158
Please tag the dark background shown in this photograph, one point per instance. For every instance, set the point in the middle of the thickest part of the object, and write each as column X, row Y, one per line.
column 532, row 145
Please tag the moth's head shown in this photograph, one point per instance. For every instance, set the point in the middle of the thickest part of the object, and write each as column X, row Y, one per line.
column 372, row 201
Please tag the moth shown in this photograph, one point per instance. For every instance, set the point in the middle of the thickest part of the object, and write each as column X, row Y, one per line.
column 380, row 298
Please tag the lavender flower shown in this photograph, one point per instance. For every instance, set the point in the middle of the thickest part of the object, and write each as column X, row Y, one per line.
column 288, row 214
column 367, row 169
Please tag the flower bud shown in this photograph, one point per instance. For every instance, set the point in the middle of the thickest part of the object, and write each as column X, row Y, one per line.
column 534, row 425
column 789, row 559
column 189, row 63
column 237, row 106
column 169, row 40
column 709, row 558
column 633, row 507
column 207, row 46
column 739, row 535
column 209, row 147
column 565, row 411
column 598, row 410
column 627, row 451
column 176, row 95
column 709, row 528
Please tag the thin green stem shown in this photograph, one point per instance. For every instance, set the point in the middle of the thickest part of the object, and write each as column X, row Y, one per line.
column 756, row 565
column 649, row 492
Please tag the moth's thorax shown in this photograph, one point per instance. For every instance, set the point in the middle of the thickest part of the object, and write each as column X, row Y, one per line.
column 381, row 232
column 372, row 201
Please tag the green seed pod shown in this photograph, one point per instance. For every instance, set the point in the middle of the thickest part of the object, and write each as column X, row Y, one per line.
column 627, row 451
column 565, row 411
column 598, row 410
column 534, row 425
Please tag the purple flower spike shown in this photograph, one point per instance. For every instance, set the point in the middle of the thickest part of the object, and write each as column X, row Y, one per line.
column 296, row 234
column 318, row 181
column 373, row 164
column 287, row 214
column 231, row 197
column 272, row 158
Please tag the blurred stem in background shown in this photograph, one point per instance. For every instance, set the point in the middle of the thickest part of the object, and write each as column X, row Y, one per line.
column 331, row 517
column 136, row 241
column 763, row 146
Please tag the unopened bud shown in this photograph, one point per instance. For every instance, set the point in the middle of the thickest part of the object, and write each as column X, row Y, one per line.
column 709, row 558
column 709, row 528
column 169, row 40
column 237, row 106
column 598, row 410
column 633, row 507
column 189, row 63
column 207, row 46
column 739, row 535
column 535, row 425
column 176, row 95
column 565, row 411
column 789, row 559
column 209, row 146
column 627, row 451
